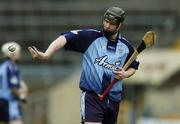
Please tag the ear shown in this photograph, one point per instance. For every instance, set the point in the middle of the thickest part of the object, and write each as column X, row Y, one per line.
column 121, row 25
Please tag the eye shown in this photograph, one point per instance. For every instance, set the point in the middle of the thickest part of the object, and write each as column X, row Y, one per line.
column 110, row 22
column 106, row 21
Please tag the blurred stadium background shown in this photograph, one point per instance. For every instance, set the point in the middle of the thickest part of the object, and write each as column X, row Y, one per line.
column 151, row 96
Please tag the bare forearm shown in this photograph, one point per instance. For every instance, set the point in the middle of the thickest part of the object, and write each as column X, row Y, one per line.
column 55, row 46
column 122, row 74
column 129, row 72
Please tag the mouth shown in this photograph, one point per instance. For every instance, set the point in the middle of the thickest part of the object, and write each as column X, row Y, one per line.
column 107, row 29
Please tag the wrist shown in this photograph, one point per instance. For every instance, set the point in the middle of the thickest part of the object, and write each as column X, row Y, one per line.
column 126, row 74
column 46, row 56
column 129, row 72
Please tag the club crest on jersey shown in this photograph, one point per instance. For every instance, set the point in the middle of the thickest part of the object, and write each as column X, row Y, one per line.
column 102, row 61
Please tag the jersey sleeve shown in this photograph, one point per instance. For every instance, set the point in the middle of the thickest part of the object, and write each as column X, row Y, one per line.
column 79, row 40
column 134, row 64
column 13, row 79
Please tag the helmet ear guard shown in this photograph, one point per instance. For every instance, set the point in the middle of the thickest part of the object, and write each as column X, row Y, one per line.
column 115, row 14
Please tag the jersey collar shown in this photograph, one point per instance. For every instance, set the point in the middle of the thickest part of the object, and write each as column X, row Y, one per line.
column 111, row 45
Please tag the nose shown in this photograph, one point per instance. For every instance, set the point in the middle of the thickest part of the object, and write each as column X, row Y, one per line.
column 107, row 24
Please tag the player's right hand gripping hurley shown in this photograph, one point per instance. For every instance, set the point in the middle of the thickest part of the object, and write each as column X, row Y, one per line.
column 148, row 40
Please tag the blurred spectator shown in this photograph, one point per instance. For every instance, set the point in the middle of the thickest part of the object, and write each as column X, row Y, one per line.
column 12, row 89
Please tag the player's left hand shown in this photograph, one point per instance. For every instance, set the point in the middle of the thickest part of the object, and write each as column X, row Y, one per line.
column 36, row 54
column 120, row 74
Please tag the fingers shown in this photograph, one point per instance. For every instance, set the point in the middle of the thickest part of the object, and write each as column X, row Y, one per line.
column 35, row 49
column 34, row 52
column 119, row 71
column 119, row 74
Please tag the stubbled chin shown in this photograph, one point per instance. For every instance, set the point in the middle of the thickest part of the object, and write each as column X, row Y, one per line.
column 108, row 33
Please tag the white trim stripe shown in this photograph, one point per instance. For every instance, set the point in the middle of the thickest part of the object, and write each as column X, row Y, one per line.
column 82, row 105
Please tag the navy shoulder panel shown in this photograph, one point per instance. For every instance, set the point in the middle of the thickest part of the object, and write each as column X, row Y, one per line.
column 80, row 40
column 127, row 43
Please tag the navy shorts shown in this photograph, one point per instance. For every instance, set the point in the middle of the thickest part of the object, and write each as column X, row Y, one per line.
column 94, row 110
column 4, row 111
column 9, row 110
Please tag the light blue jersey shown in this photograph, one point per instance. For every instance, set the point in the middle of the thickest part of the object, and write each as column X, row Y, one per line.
column 100, row 58
column 10, row 78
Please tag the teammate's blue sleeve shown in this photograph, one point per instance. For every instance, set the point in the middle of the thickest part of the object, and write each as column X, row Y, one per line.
column 12, row 79
column 80, row 40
